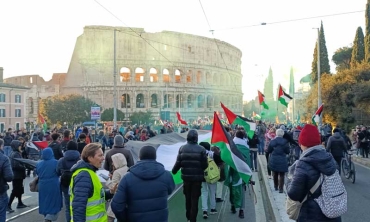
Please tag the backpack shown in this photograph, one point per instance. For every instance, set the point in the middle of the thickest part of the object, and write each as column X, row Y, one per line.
column 333, row 200
column 212, row 173
column 65, row 178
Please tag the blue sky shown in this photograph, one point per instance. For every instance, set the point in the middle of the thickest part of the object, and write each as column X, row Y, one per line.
column 38, row 37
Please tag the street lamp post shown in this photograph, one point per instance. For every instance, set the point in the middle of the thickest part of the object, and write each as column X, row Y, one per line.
column 318, row 72
column 114, row 83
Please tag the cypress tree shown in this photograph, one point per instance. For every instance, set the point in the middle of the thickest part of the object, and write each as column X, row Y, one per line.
column 367, row 37
column 358, row 50
column 324, row 58
column 268, row 87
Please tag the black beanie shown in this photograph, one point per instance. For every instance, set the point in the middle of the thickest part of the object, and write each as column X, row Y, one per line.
column 148, row 153
column 206, row 145
column 71, row 145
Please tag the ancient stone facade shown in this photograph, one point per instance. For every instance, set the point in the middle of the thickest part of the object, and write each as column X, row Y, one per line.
column 164, row 71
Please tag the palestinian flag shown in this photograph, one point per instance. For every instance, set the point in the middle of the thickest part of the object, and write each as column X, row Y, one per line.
column 248, row 125
column 316, row 117
column 167, row 146
column 229, row 153
column 43, row 122
column 261, row 99
column 183, row 122
column 283, row 97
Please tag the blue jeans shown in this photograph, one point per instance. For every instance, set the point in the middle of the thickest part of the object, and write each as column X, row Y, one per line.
column 66, row 203
column 253, row 155
column 3, row 205
column 261, row 146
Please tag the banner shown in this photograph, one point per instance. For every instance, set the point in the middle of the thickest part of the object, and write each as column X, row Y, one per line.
column 95, row 113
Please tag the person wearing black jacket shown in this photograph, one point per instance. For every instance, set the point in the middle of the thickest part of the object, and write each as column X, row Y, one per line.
column 253, row 147
column 192, row 160
column 6, row 175
column 56, row 147
column 337, row 147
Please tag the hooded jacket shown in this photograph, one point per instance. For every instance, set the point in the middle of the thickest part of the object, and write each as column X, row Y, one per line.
column 6, row 172
column 311, row 164
column 142, row 193
column 117, row 149
column 71, row 157
column 278, row 148
column 19, row 170
column 336, row 145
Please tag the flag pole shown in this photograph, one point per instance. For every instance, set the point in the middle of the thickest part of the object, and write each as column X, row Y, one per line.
column 277, row 102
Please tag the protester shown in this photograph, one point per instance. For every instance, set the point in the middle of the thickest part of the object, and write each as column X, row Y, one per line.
column 269, row 136
column 337, row 147
column 118, row 147
column 71, row 157
column 313, row 162
column 142, row 193
column 55, row 146
column 81, row 142
column 192, row 160
column 87, row 196
column 6, row 175
column 50, row 197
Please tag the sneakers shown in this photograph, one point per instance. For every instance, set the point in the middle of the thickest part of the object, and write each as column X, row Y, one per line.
column 241, row 214
column 233, row 210
column 205, row 214
column 21, row 205
column 10, row 210
column 214, row 211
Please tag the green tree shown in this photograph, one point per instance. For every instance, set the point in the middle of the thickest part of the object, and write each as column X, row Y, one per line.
column 107, row 115
column 66, row 108
column 367, row 37
column 342, row 58
column 142, row 117
column 358, row 52
column 324, row 58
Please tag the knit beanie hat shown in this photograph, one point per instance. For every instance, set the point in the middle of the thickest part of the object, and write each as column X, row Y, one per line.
column 71, row 145
column 309, row 136
column 148, row 153
column 118, row 140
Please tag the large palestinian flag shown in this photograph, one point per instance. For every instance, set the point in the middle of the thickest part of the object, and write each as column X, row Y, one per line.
column 167, row 146
column 317, row 115
column 283, row 97
column 248, row 125
column 229, row 153
column 261, row 99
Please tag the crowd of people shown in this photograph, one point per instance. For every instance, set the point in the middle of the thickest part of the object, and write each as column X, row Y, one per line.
column 66, row 170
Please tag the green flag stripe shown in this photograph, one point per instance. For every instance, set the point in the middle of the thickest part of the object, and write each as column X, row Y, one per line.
column 248, row 128
column 265, row 105
column 284, row 101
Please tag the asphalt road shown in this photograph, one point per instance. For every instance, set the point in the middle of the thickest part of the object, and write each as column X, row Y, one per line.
column 358, row 196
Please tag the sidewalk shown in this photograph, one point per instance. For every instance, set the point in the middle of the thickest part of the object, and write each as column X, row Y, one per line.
column 360, row 160
column 276, row 199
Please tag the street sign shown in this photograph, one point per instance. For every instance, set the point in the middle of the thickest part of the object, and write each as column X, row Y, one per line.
column 95, row 113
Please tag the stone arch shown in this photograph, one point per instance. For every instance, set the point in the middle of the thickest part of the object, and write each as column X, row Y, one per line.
column 30, row 100
column 208, row 78
column 124, row 74
column 222, row 79
column 199, row 77
column 125, row 101
column 216, row 100
column 154, row 101
column 167, row 98
column 190, row 101
column 227, row 79
column 209, row 101
column 179, row 101
column 216, row 79
column 166, row 75
column 139, row 74
column 200, row 101
column 177, row 76
column 153, row 75
column 140, row 101
column 188, row 76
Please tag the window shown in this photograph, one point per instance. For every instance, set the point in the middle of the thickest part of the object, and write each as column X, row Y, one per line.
column 17, row 126
column 2, row 127
column 2, row 97
column 17, row 98
column 18, row 113
column 2, row 113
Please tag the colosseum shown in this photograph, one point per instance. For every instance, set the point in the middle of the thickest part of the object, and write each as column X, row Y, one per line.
column 163, row 71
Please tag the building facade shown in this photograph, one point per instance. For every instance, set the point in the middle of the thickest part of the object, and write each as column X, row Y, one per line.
column 161, row 72
column 13, row 112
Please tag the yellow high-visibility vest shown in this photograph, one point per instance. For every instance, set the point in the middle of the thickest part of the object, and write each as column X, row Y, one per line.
column 95, row 208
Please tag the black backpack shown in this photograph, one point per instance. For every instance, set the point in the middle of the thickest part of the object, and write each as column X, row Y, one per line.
column 66, row 177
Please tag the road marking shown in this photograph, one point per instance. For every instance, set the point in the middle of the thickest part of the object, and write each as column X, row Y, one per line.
column 23, row 198
column 21, row 214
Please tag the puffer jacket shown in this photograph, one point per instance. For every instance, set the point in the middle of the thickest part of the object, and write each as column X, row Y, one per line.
column 65, row 163
column 192, row 159
column 6, row 172
column 278, row 148
column 336, row 145
column 311, row 164
column 57, row 149
column 82, row 190
column 144, row 190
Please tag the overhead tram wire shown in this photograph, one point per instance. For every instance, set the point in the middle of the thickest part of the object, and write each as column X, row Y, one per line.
column 138, row 34
column 289, row 20
column 210, row 29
